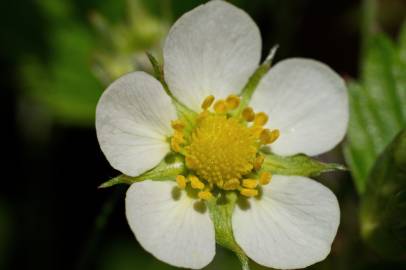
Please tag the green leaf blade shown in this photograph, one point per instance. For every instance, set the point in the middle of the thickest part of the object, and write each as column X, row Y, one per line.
column 383, row 222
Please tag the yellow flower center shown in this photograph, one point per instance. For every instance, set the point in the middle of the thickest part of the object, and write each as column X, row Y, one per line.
column 222, row 149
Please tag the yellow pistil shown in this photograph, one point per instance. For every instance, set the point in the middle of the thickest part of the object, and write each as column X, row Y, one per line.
column 205, row 195
column 249, row 183
column 181, row 181
column 207, row 102
column 232, row 102
column 265, row 178
column 195, row 182
column 220, row 106
column 249, row 192
column 221, row 148
column 260, row 119
column 248, row 114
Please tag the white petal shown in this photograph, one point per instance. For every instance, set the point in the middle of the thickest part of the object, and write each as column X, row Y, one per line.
column 212, row 49
column 166, row 223
column 132, row 122
column 291, row 226
column 307, row 102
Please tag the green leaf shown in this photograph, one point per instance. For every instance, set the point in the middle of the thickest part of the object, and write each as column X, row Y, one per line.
column 297, row 165
column 167, row 169
column 377, row 105
column 221, row 210
column 383, row 205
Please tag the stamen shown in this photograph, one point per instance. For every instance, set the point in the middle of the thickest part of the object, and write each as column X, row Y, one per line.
column 250, row 183
column 201, row 116
column 207, row 102
column 260, row 119
column 268, row 136
column 178, row 125
column 220, row 106
column 265, row 178
column 181, row 181
column 205, row 195
column 258, row 162
column 179, row 136
column 256, row 130
column 232, row 102
column 191, row 162
column 195, row 182
column 231, row 184
column 249, row 192
column 248, row 114
column 175, row 145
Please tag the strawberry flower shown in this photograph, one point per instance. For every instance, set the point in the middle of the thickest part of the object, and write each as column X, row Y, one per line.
column 299, row 106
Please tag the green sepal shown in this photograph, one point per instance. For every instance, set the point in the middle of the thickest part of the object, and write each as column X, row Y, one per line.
column 221, row 210
column 184, row 113
column 297, row 165
column 254, row 80
column 167, row 169
column 383, row 204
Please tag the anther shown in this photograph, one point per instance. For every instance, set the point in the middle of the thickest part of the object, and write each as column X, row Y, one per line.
column 260, row 119
column 220, row 106
column 259, row 160
column 181, row 181
column 190, row 162
column 232, row 102
column 268, row 136
column 250, row 183
column 195, row 182
column 177, row 125
column 249, row 192
column 231, row 184
column 179, row 136
column 207, row 102
column 265, row 178
column 248, row 114
column 205, row 195
column 175, row 145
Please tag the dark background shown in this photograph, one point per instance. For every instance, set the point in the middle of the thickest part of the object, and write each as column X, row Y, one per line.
column 50, row 206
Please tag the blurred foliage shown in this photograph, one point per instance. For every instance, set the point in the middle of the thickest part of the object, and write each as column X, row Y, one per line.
column 5, row 233
column 377, row 104
column 376, row 147
column 125, row 44
column 383, row 205
column 64, row 82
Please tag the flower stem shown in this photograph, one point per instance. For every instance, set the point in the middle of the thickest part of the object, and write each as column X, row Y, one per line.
column 244, row 261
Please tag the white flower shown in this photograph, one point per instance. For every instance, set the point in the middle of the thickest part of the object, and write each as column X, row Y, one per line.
column 211, row 51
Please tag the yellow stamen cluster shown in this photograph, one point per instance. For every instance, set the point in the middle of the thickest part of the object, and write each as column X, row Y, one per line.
column 222, row 150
